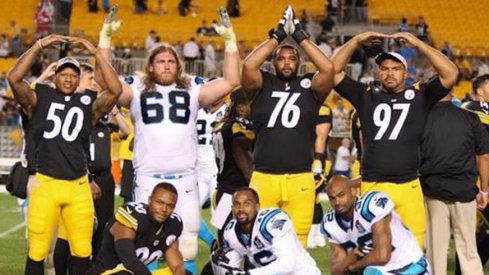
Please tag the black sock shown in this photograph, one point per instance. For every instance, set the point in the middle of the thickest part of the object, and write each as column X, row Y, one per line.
column 79, row 266
column 33, row 267
column 61, row 256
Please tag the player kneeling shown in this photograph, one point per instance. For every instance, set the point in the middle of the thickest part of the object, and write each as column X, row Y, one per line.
column 140, row 234
column 261, row 238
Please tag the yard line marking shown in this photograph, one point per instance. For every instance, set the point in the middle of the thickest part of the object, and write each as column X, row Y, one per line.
column 12, row 229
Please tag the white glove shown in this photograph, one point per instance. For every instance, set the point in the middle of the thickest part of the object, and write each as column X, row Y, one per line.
column 317, row 167
column 289, row 26
column 108, row 29
column 225, row 30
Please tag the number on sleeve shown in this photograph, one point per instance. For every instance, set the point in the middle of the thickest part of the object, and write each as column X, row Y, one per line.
column 382, row 118
column 201, row 124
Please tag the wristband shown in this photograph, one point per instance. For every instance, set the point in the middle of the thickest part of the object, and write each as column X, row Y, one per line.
column 484, row 193
column 319, row 156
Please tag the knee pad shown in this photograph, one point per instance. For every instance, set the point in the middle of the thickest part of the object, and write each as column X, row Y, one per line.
column 189, row 246
column 81, row 248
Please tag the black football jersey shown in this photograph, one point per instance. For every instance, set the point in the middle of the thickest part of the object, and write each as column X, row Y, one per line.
column 100, row 140
column 60, row 126
column 481, row 108
column 284, row 116
column 356, row 128
column 229, row 176
column 392, row 125
column 151, row 240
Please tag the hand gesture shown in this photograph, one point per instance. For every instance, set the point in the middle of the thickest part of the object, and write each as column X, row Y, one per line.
column 279, row 33
column 225, row 30
column 407, row 38
column 109, row 27
column 52, row 40
column 370, row 38
column 83, row 43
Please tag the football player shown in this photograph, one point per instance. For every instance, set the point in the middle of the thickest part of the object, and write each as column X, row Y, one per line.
column 264, row 237
column 365, row 233
column 392, row 116
column 139, row 234
column 284, row 109
column 163, row 106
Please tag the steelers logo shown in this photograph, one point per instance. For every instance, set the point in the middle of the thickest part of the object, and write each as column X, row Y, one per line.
column 409, row 94
column 306, row 83
column 100, row 134
column 85, row 100
column 170, row 239
column 67, row 98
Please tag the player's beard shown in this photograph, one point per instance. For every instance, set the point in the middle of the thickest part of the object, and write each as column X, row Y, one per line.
column 286, row 78
column 166, row 79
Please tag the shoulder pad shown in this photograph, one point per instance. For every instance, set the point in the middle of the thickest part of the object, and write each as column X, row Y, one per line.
column 272, row 223
column 373, row 206
column 129, row 213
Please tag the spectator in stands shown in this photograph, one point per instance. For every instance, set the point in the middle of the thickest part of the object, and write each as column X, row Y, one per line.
column 233, row 8
column 403, row 26
column 191, row 52
column 361, row 10
column 202, row 29
column 16, row 38
column 184, row 7
column 92, row 6
column 324, row 45
column 150, row 41
column 11, row 115
column 422, row 29
column 344, row 158
column 328, row 24
column 212, row 30
column 447, row 50
column 4, row 45
column 209, row 60
column 464, row 67
column 140, row 6
column 482, row 67
column 44, row 18
column 340, row 119
column 125, row 63
column 333, row 9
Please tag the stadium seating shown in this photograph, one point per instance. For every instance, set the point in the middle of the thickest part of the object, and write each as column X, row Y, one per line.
column 462, row 23
column 251, row 27
column 20, row 11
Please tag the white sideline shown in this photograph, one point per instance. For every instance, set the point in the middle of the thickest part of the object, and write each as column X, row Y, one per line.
column 12, row 229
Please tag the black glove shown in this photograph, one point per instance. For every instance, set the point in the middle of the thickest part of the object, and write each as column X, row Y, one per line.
column 218, row 256
column 279, row 33
column 299, row 33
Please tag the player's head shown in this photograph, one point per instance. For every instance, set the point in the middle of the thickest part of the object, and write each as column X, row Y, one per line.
column 164, row 67
column 240, row 106
column 162, row 201
column 286, row 61
column 341, row 195
column 67, row 75
column 245, row 206
column 392, row 71
column 480, row 87
column 87, row 78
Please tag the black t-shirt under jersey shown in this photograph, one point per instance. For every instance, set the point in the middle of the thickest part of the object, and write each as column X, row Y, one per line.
column 392, row 125
column 284, row 117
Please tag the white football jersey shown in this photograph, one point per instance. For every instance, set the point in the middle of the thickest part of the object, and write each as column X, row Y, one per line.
column 369, row 209
column 164, row 128
column 273, row 247
column 206, row 159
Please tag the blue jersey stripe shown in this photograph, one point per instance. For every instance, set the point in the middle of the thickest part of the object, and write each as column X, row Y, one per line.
column 365, row 212
column 263, row 225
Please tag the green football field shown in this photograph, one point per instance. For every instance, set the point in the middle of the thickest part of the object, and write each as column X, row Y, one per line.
column 13, row 242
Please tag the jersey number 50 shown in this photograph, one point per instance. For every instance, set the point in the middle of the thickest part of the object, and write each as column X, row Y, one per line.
column 68, row 132
column 152, row 111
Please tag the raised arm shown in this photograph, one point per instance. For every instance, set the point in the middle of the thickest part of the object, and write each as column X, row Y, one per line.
column 382, row 246
column 212, row 91
column 342, row 56
column 109, row 28
column 125, row 248
column 322, row 81
column 251, row 79
column 446, row 69
column 124, row 127
column 107, row 99
column 174, row 259
column 23, row 93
